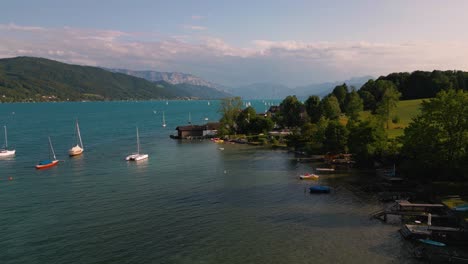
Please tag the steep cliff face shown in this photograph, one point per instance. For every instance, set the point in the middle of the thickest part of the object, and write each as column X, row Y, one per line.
column 169, row 77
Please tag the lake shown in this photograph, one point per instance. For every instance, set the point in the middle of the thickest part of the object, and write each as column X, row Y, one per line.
column 190, row 202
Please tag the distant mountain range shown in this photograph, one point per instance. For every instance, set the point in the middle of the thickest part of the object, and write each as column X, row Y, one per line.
column 169, row 77
column 39, row 79
column 279, row 91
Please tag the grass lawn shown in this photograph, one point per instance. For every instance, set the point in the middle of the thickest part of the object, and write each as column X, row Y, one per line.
column 405, row 111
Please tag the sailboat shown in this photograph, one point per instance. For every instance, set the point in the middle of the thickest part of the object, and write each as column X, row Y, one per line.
column 164, row 121
column 78, row 149
column 48, row 163
column 137, row 156
column 5, row 152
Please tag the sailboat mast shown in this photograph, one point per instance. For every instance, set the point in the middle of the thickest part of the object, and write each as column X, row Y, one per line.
column 79, row 134
column 138, row 141
column 52, row 148
column 6, row 138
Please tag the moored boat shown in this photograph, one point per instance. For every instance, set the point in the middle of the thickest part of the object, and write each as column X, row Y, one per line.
column 49, row 162
column 137, row 156
column 319, row 189
column 6, row 152
column 78, row 149
column 325, row 169
column 308, row 176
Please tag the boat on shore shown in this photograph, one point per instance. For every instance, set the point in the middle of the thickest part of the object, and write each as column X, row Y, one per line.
column 5, row 152
column 309, row 176
column 44, row 164
column 78, row 148
column 137, row 156
column 325, row 169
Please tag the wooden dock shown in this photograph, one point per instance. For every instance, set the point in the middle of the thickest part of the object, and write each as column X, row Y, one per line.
column 406, row 208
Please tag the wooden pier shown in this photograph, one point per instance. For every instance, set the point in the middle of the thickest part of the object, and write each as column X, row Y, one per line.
column 406, row 208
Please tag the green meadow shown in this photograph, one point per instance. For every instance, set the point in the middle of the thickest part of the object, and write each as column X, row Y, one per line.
column 404, row 113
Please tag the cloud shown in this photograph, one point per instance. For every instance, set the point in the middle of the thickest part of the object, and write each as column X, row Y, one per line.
column 290, row 62
column 194, row 27
column 197, row 17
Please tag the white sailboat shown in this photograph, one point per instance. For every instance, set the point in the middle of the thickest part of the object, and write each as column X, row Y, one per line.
column 78, row 149
column 164, row 121
column 5, row 152
column 137, row 156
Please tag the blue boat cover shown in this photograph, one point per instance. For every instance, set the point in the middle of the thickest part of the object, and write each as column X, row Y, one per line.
column 462, row 208
column 319, row 188
column 45, row 162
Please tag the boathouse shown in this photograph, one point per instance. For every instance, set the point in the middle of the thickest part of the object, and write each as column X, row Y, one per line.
column 197, row 131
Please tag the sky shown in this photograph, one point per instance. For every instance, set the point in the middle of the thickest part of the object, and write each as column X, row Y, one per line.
column 237, row 43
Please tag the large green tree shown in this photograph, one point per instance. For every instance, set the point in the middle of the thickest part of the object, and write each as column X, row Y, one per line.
column 230, row 109
column 438, row 137
column 312, row 105
column 245, row 119
column 336, row 138
column 388, row 101
column 330, row 107
column 340, row 92
column 366, row 141
column 292, row 112
column 354, row 105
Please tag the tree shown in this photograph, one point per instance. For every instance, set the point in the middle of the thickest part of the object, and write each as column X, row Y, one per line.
column 245, row 119
column 354, row 105
column 336, row 138
column 388, row 101
column 229, row 109
column 438, row 137
column 340, row 92
column 366, row 141
column 330, row 107
column 292, row 112
column 312, row 105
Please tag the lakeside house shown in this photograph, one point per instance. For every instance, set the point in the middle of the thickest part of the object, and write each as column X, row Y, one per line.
column 197, row 131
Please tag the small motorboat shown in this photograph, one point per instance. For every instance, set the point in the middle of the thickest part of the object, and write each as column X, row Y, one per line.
column 308, row 176
column 319, row 189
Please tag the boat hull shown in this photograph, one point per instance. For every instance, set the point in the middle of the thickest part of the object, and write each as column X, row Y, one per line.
column 47, row 165
column 309, row 177
column 75, row 151
column 7, row 153
column 137, row 157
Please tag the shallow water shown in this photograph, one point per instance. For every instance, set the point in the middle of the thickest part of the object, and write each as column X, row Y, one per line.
column 189, row 203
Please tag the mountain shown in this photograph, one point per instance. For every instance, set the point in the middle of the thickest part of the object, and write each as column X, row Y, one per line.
column 262, row 91
column 39, row 79
column 279, row 91
column 169, row 77
column 190, row 84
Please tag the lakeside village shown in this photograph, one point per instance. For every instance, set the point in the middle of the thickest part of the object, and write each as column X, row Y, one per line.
column 421, row 175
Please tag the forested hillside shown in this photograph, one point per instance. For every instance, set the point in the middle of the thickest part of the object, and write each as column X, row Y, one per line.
column 36, row 79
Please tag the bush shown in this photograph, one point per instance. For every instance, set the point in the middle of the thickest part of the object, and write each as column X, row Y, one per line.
column 395, row 119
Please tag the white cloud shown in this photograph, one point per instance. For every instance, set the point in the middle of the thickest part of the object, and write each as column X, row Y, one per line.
column 197, row 17
column 290, row 62
column 194, row 27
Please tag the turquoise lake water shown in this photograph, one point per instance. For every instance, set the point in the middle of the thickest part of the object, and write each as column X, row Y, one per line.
column 190, row 202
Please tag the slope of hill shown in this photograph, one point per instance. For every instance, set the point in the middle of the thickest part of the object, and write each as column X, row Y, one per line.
column 38, row 79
